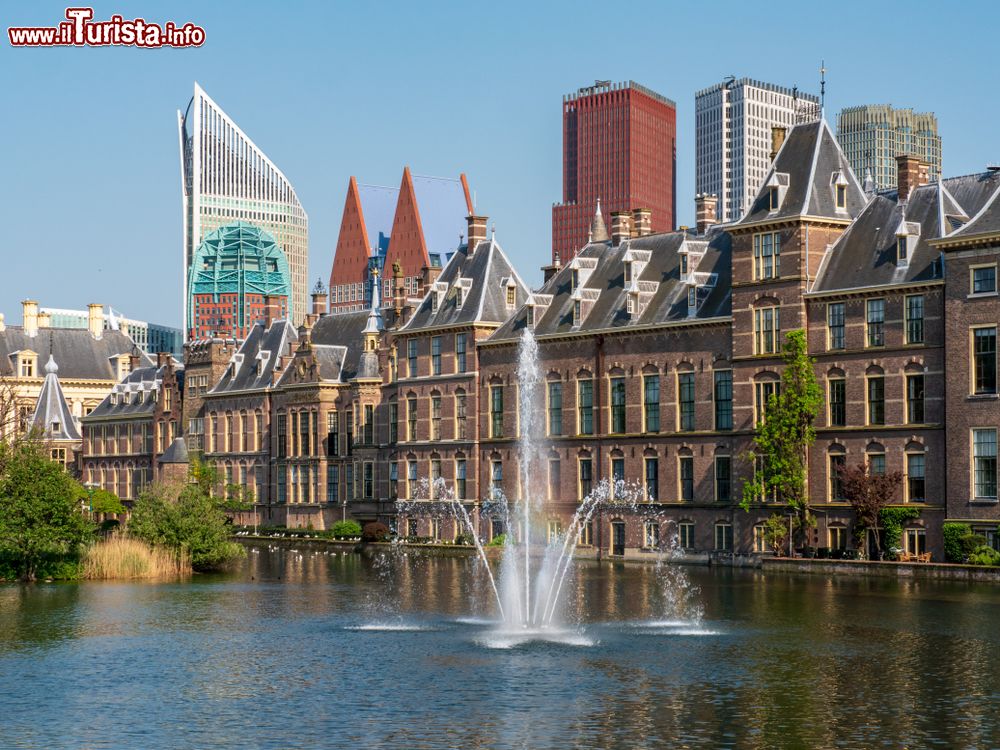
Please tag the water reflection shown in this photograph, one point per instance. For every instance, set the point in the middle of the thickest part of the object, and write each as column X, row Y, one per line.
column 312, row 648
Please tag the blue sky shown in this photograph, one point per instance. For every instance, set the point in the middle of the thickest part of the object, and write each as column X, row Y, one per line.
column 91, row 189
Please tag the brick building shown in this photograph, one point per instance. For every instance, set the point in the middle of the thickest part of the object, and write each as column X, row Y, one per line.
column 619, row 148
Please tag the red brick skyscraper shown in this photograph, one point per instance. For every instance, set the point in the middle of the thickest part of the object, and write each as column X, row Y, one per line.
column 619, row 146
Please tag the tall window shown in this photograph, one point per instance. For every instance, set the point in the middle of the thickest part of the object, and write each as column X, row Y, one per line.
column 393, row 422
column 984, row 355
column 411, row 358
column 723, row 479
column 496, row 411
column 435, row 478
column 282, row 435
column 369, row 428
column 876, row 400
column 436, row 355
column 352, row 491
column 586, row 477
column 685, row 389
column 876, row 464
column 915, row 319
column 496, row 477
column 685, row 535
column 651, row 402
column 724, row 537
column 838, row 402
column 915, row 487
column 332, row 434
column 723, row 399
column 350, row 432
column 393, row 480
column 411, row 418
column 461, row 429
column 652, row 479
column 460, row 362
column 369, row 479
column 435, row 417
column 585, row 407
column 837, row 462
column 687, row 477
column 333, row 483
column 915, row 399
column 555, row 408
column 767, row 255
column 984, row 463
column 763, row 393
column 555, row 478
column 835, row 325
column 617, row 405
column 767, row 329
column 984, row 280
column 617, row 475
column 651, row 535
column 411, row 479
column 875, row 321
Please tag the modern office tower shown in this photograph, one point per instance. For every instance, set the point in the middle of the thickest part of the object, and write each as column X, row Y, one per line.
column 225, row 177
column 239, row 277
column 619, row 148
column 419, row 225
column 149, row 337
column 733, row 122
column 873, row 135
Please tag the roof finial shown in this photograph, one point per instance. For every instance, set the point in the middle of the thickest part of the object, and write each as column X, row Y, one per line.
column 822, row 89
column 493, row 231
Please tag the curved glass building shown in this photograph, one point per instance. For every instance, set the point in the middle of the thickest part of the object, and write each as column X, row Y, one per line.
column 226, row 178
column 239, row 275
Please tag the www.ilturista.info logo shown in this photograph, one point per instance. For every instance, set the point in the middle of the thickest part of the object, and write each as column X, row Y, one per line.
column 79, row 30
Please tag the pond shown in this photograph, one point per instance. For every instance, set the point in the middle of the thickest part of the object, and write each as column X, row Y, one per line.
column 304, row 648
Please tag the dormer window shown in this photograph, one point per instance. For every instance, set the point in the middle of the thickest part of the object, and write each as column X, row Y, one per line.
column 576, row 312
column 55, row 428
column 902, row 250
column 434, row 302
column 841, row 197
column 458, row 297
column 628, row 273
column 630, row 305
column 511, row 295
column 907, row 234
column 27, row 366
column 684, row 266
column 574, row 281
column 773, row 199
column 529, row 316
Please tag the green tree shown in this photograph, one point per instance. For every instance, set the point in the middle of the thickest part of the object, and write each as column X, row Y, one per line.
column 102, row 501
column 781, row 443
column 41, row 517
column 191, row 522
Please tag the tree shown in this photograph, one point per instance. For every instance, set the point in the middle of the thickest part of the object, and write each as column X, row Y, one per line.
column 868, row 494
column 41, row 518
column 781, row 444
column 776, row 533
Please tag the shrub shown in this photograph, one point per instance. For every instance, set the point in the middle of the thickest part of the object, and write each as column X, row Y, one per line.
column 343, row 529
column 498, row 541
column 970, row 543
column 465, row 538
column 954, row 551
column 125, row 557
column 376, row 531
column 984, row 555
column 892, row 520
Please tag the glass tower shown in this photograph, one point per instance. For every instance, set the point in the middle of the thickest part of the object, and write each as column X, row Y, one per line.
column 225, row 177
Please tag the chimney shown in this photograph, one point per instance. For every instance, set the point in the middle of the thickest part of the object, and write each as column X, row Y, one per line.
column 134, row 359
column 3, row 325
column 44, row 320
column 910, row 174
column 429, row 276
column 319, row 300
column 398, row 290
column 162, row 359
column 621, row 227
column 272, row 309
column 778, row 133
column 29, row 313
column 95, row 319
column 705, row 207
column 642, row 222
column 477, row 230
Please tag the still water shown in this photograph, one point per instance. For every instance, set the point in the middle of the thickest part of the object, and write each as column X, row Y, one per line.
column 304, row 649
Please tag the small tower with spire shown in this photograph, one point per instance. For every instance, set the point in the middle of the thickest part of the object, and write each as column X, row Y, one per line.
column 52, row 419
column 598, row 229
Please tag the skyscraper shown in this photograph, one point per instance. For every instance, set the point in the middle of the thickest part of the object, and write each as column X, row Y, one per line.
column 873, row 135
column 619, row 147
column 225, row 177
column 733, row 122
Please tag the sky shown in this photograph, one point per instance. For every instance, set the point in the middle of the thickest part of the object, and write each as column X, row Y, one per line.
column 90, row 199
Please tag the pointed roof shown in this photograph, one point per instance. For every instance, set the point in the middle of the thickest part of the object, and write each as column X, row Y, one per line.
column 52, row 416
column 598, row 230
column 176, row 453
column 808, row 167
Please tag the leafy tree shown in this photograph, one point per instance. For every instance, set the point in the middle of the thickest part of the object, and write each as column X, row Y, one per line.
column 869, row 494
column 784, row 434
column 102, row 501
column 776, row 533
column 41, row 519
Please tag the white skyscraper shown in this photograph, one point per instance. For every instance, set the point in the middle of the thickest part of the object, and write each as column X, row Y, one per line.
column 225, row 178
column 733, row 122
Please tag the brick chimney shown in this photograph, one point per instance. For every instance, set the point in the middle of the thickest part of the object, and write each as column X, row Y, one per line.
column 29, row 314
column 95, row 319
column 910, row 174
column 272, row 309
column 778, row 133
column 642, row 222
column 621, row 227
column 705, row 207
column 162, row 359
column 134, row 360
column 477, row 230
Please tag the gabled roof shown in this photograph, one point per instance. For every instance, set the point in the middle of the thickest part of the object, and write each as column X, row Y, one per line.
column 812, row 160
column 483, row 279
column 709, row 266
column 985, row 221
column 80, row 355
column 253, row 365
column 335, row 342
column 52, row 416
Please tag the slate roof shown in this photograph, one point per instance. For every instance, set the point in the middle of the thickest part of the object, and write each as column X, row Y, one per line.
column 811, row 158
column 252, row 366
column 483, row 278
column 335, row 342
column 52, row 416
column 984, row 220
column 134, row 395
column 176, row 453
column 668, row 301
column 80, row 355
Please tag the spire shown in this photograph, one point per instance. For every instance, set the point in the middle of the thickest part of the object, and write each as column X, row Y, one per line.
column 869, row 185
column 374, row 324
column 598, row 230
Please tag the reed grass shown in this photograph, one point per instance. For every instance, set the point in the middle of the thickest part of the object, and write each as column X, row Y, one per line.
column 122, row 557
